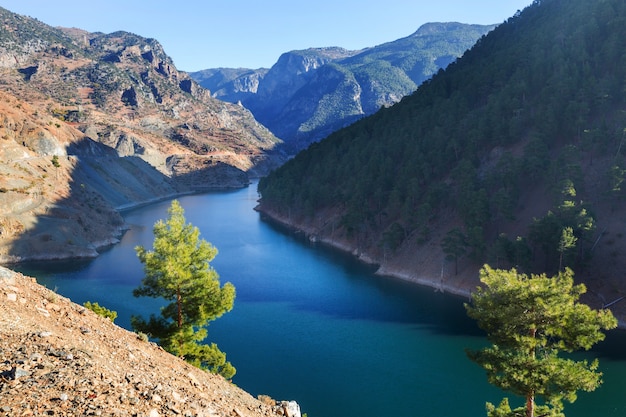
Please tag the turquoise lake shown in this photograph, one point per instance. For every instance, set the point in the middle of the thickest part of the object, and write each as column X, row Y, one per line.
column 312, row 325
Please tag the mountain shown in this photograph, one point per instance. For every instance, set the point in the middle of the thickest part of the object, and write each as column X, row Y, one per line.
column 231, row 84
column 95, row 122
column 512, row 156
column 308, row 94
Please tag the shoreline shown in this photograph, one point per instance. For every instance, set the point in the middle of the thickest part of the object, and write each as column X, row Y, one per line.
column 437, row 284
column 130, row 206
column 93, row 249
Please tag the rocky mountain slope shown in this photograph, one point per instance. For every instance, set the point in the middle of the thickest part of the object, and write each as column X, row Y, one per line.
column 94, row 122
column 58, row 358
column 308, row 94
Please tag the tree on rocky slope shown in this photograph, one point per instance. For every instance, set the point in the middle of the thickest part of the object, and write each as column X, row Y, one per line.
column 530, row 320
column 178, row 270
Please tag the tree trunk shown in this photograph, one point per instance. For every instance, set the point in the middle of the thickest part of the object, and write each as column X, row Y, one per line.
column 530, row 405
column 179, row 320
column 530, row 397
column 179, row 306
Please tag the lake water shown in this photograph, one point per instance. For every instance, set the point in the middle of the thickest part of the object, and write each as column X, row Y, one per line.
column 314, row 326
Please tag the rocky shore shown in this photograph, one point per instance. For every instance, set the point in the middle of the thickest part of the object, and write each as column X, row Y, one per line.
column 58, row 358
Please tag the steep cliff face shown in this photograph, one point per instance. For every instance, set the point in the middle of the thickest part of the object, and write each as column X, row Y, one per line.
column 311, row 93
column 235, row 83
column 91, row 122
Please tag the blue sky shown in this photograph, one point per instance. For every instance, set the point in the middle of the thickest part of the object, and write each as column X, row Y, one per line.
column 200, row 34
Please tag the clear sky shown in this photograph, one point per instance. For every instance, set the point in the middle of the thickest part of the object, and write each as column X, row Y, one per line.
column 200, row 34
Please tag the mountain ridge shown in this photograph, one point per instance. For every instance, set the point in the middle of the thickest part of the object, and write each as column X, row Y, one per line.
column 308, row 94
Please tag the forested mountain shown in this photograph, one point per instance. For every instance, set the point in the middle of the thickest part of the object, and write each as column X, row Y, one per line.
column 308, row 94
column 513, row 155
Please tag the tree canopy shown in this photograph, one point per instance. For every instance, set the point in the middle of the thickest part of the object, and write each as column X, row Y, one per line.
column 177, row 270
column 530, row 320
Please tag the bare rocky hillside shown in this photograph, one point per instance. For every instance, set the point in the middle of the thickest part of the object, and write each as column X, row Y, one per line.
column 58, row 358
column 91, row 123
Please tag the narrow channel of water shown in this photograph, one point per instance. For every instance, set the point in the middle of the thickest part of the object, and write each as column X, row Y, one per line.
column 314, row 326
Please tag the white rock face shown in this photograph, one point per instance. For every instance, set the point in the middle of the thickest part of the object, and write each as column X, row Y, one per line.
column 292, row 409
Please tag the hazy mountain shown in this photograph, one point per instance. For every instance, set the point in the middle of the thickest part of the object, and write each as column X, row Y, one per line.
column 230, row 84
column 309, row 94
column 499, row 158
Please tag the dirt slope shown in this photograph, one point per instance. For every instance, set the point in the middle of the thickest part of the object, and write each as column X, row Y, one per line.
column 57, row 358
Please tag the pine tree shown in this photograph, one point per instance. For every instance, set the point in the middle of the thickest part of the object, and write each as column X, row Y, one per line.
column 454, row 245
column 178, row 270
column 530, row 320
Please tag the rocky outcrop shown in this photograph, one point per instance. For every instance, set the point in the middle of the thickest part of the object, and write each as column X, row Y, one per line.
column 238, row 84
column 58, row 358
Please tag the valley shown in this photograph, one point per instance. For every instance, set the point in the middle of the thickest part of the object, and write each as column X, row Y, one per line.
column 423, row 158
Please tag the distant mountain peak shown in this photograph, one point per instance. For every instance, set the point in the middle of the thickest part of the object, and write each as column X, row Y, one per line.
column 309, row 93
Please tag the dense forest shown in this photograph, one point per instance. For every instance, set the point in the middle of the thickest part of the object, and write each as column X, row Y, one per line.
column 534, row 113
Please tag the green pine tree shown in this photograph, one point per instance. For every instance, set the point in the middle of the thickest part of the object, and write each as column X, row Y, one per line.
column 530, row 320
column 178, row 270
column 454, row 245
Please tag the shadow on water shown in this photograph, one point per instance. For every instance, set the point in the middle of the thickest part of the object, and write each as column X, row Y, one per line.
column 396, row 301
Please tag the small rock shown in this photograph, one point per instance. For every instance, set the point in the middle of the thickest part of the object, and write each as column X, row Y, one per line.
column 12, row 297
column 17, row 373
column 44, row 334
column 173, row 409
column 57, row 353
column 63, row 397
column 154, row 413
column 43, row 311
column 291, row 408
column 84, row 330
column 193, row 379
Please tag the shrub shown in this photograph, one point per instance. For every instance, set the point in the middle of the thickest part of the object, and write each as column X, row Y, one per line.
column 101, row 311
